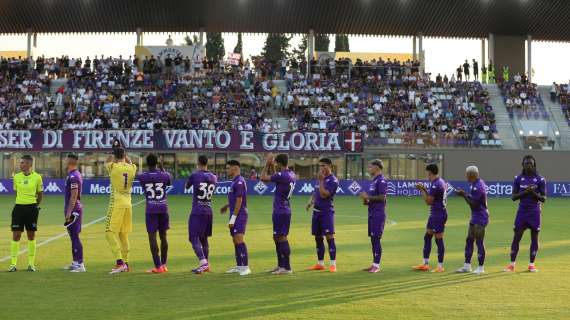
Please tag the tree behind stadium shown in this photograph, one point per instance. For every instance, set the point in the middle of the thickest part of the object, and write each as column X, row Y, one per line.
column 239, row 45
column 322, row 42
column 276, row 46
column 215, row 46
column 341, row 43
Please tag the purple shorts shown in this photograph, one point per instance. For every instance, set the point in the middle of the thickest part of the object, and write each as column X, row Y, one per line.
column 157, row 222
column 200, row 225
column 323, row 224
column 436, row 224
column 239, row 225
column 281, row 224
column 75, row 227
column 526, row 221
column 376, row 225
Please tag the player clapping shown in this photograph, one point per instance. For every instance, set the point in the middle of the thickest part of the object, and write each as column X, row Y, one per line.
column 529, row 188
column 276, row 170
column 477, row 201
column 436, row 199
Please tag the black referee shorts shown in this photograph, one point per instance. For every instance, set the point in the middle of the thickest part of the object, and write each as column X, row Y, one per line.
column 25, row 216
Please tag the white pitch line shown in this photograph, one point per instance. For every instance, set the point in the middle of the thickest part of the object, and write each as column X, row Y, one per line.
column 61, row 235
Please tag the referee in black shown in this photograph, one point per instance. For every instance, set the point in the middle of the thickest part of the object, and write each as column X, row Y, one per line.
column 28, row 186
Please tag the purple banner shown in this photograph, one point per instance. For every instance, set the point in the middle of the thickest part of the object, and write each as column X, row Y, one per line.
column 180, row 140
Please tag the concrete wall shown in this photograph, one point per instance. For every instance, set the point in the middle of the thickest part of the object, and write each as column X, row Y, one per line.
column 510, row 51
column 504, row 165
column 497, row 165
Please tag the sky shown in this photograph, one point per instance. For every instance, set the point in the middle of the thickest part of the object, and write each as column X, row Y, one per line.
column 550, row 61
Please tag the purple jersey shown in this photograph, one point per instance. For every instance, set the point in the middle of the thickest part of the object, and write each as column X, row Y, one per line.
column 74, row 180
column 438, row 190
column 478, row 193
column 155, row 184
column 203, row 184
column 529, row 205
column 323, row 205
column 284, row 186
column 238, row 188
column 378, row 187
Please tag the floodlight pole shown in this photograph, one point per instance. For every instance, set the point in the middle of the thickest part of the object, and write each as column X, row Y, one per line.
column 492, row 50
column 483, row 62
column 29, row 45
column 422, row 57
column 310, row 50
column 414, row 50
column 139, row 37
column 529, row 58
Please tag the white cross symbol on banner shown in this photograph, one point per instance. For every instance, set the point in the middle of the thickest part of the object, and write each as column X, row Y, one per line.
column 353, row 140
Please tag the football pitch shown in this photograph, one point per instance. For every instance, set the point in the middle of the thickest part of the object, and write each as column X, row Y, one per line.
column 395, row 293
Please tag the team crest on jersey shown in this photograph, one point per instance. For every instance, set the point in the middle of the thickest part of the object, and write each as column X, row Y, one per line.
column 354, row 187
column 260, row 187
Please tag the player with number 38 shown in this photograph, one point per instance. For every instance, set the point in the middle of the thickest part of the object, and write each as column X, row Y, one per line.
column 200, row 221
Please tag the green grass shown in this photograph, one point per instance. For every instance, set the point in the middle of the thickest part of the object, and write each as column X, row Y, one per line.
column 395, row 293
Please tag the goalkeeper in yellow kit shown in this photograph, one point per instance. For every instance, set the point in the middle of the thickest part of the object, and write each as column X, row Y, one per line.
column 119, row 221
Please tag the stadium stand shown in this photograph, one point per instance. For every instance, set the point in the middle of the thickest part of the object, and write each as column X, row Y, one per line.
column 388, row 100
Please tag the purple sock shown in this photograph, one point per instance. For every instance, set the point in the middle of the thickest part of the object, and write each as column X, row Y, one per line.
column 320, row 248
column 242, row 251
column 468, row 250
column 376, row 249
column 205, row 247
column 236, row 253
column 515, row 245
column 197, row 246
column 278, row 251
column 480, row 252
column 285, row 254
column 440, row 250
column 332, row 248
column 533, row 245
column 163, row 248
column 76, row 247
column 156, row 260
column 427, row 245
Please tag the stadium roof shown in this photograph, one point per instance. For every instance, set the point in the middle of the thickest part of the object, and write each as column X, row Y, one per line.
column 543, row 19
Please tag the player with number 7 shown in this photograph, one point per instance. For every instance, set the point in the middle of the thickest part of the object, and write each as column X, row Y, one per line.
column 276, row 170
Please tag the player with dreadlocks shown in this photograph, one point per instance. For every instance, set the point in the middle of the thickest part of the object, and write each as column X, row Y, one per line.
column 530, row 188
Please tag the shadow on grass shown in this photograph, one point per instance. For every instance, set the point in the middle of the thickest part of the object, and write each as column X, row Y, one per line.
column 326, row 297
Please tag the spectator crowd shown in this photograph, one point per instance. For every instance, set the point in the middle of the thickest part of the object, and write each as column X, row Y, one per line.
column 383, row 99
